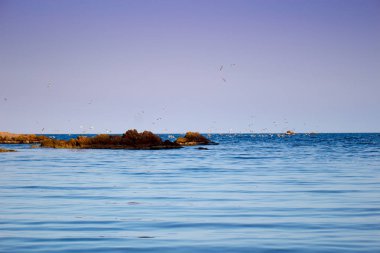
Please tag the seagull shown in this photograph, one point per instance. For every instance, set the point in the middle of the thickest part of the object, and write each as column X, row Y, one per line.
column 224, row 79
column 221, row 67
column 5, row 99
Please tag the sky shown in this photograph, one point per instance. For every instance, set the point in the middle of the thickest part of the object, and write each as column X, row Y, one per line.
column 170, row 66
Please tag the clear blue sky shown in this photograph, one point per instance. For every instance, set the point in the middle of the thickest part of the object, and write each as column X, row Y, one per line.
column 92, row 66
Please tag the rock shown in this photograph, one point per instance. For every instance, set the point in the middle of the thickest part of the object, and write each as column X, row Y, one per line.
column 2, row 150
column 202, row 148
column 11, row 138
column 192, row 139
column 131, row 139
column 290, row 132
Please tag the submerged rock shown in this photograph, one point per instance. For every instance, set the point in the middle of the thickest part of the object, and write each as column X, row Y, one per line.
column 193, row 138
column 2, row 150
column 11, row 138
column 129, row 140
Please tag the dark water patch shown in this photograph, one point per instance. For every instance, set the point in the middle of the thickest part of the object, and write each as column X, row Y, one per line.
column 288, row 225
column 243, row 157
column 62, row 188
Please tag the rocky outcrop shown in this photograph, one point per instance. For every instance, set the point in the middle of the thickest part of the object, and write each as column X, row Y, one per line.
column 290, row 132
column 129, row 140
column 10, row 138
column 192, row 139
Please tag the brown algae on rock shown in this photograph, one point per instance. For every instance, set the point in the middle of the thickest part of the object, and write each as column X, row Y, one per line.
column 192, row 139
column 131, row 139
column 11, row 138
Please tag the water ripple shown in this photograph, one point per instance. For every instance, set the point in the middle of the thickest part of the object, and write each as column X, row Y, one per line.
column 251, row 193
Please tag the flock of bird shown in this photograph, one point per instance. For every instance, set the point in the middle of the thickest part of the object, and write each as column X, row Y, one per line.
column 221, row 70
column 158, row 119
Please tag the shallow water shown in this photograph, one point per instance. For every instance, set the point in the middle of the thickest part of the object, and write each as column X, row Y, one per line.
column 251, row 193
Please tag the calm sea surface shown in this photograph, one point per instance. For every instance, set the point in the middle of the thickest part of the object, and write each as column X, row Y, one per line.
column 251, row 193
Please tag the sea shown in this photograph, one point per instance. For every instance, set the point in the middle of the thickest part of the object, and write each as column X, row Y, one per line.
column 251, row 193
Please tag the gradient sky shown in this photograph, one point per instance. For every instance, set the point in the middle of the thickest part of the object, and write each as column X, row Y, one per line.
column 97, row 66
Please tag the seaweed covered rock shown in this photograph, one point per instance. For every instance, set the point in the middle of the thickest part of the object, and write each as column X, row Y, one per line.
column 11, row 138
column 192, row 139
column 129, row 140
column 133, row 137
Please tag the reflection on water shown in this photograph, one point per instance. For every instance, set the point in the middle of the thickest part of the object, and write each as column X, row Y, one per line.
column 251, row 193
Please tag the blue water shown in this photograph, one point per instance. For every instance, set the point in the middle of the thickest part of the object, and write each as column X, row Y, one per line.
column 251, row 193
